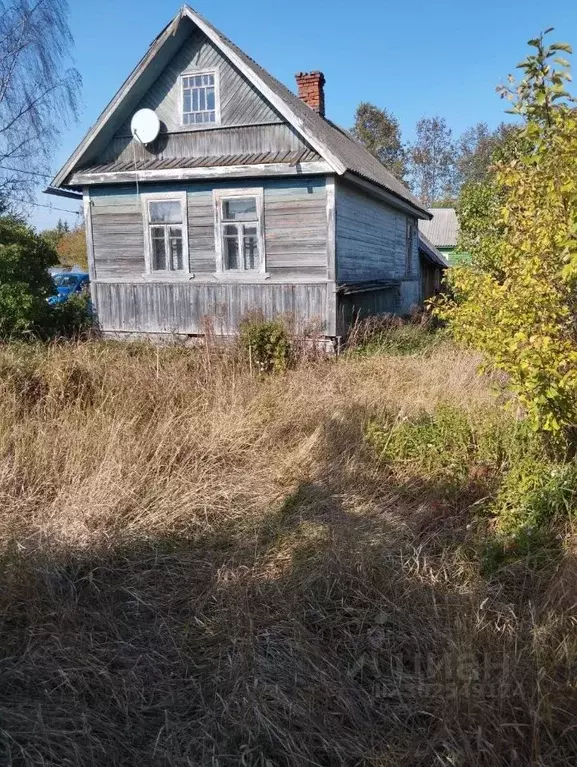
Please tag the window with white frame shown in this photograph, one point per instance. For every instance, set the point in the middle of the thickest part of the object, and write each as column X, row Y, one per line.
column 166, row 232
column 200, row 98
column 240, row 236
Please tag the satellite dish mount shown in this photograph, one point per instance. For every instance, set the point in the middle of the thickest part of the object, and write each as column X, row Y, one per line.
column 145, row 126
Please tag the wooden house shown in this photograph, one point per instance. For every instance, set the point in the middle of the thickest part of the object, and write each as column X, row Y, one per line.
column 249, row 200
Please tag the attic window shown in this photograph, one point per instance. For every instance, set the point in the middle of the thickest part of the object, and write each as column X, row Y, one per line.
column 200, row 98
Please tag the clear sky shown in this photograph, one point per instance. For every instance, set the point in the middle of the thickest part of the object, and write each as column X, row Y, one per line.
column 443, row 57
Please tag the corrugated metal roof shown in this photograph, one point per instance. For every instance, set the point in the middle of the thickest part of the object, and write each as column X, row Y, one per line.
column 331, row 142
column 290, row 158
column 357, row 159
column 443, row 229
column 430, row 252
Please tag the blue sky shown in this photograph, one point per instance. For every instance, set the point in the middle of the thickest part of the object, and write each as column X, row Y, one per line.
column 417, row 59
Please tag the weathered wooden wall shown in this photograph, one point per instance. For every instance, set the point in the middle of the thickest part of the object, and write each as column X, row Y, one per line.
column 411, row 295
column 295, row 219
column 358, row 306
column 431, row 276
column 185, row 308
column 371, row 243
column 249, row 124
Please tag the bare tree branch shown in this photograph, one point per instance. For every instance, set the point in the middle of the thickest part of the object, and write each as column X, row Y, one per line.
column 39, row 94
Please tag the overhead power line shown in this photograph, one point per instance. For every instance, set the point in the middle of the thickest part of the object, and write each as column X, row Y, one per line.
column 26, row 203
column 51, row 207
column 27, row 172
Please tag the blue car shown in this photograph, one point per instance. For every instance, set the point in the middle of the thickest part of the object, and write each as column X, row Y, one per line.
column 68, row 284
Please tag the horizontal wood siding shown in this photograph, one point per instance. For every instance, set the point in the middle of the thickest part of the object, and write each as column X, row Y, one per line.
column 184, row 308
column 294, row 221
column 248, row 125
column 201, row 235
column 118, row 234
column 296, row 227
column 370, row 238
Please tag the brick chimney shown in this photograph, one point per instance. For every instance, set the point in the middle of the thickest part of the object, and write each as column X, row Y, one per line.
column 311, row 87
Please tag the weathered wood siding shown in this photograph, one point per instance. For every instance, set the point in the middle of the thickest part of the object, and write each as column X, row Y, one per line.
column 295, row 221
column 371, row 238
column 431, row 277
column 249, row 124
column 240, row 103
column 371, row 242
column 352, row 308
column 186, row 308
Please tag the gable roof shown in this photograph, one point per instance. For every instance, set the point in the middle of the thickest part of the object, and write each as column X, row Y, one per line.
column 431, row 253
column 336, row 146
column 443, row 229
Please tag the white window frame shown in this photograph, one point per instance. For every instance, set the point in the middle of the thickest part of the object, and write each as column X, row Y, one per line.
column 219, row 196
column 181, row 198
column 193, row 73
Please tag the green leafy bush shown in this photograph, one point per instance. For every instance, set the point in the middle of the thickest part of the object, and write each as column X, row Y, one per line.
column 25, row 283
column 71, row 318
column 516, row 301
column 449, row 443
column 266, row 344
column 491, row 457
column 533, row 493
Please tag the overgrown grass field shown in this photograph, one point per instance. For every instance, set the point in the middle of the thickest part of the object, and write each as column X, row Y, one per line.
column 362, row 561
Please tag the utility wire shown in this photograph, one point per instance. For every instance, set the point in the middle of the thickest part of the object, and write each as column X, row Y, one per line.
column 51, row 207
column 28, row 172
column 39, row 204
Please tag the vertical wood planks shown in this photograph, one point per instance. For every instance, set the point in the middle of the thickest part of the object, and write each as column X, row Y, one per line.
column 181, row 307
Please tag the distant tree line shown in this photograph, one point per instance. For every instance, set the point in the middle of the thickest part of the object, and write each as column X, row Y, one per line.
column 436, row 166
column 69, row 243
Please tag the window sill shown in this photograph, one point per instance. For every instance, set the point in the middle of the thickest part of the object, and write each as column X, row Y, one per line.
column 242, row 276
column 168, row 276
column 195, row 127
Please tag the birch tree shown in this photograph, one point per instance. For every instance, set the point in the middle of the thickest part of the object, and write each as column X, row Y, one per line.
column 378, row 130
column 433, row 161
column 39, row 92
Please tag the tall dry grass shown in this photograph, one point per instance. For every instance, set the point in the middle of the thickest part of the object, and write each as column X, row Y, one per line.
column 203, row 567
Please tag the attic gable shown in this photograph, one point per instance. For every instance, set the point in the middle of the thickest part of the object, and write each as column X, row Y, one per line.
column 155, row 81
column 340, row 153
column 240, row 102
column 241, row 110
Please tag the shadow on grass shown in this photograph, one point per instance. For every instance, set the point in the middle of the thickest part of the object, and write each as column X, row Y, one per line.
column 325, row 636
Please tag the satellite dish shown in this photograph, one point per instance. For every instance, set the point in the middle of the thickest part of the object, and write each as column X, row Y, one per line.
column 145, row 126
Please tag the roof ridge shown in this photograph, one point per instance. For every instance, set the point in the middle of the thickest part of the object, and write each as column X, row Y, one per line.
column 337, row 147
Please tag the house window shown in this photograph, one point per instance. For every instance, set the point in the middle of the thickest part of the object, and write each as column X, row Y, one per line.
column 200, row 98
column 410, row 247
column 166, row 232
column 239, row 235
